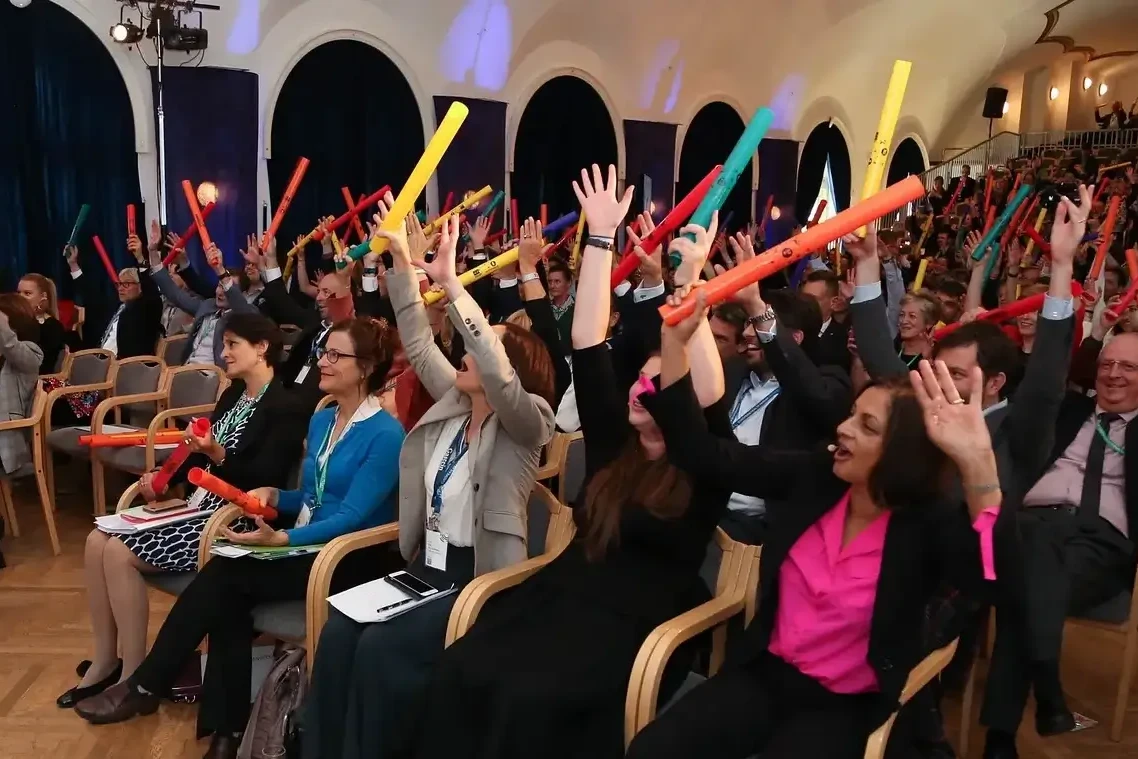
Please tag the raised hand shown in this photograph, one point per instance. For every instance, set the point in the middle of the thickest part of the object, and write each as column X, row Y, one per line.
column 693, row 254
column 441, row 269
column 134, row 245
column 155, row 242
column 954, row 425
column 531, row 246
column 682, row 332
column 604, row 210
column 743, row 248
column 1069, row 227
column 418, row 244
column 479, row 232
column 862, row 249
column 651, row 263
column 214, row 258
column 396, row 238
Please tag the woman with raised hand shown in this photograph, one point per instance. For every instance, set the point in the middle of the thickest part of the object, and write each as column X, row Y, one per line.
column 348, row 483
column 545, row 669
column 861, row 538
column 467, row 467
column 255, row 437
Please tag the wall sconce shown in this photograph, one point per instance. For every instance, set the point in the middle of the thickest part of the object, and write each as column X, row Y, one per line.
column 1053, row 94
column 1102, row 89
column 207, row 193
column 1087, row 82
column 1007, row 107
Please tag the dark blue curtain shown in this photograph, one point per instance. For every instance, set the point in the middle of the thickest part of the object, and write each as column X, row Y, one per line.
column 708, row 141
column 650, row 150
column 565, row 127
column 825, row 142
column 907, row 159
column 362, row 137
column 477, row 157
column 66, row 138
column 211, row 135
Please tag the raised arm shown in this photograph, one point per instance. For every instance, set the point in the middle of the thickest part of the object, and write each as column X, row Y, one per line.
column 871, row 325
column 187, row 302
column 605, row 213
column 537, row 307
column 281, row 306
column 24, row 355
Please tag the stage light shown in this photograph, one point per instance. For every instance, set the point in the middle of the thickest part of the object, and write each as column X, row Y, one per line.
column 1007, row 107
column 207, row 193
column 776, row 213
column 126, row 33
column 186, row 39
column 21, row 3
column 1087, row 82
column 1102, row 89
column 1053, row 94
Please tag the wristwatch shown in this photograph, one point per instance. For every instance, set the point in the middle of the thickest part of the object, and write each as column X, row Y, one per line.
column 604, row 243
column 766, row 317
column 529, row 277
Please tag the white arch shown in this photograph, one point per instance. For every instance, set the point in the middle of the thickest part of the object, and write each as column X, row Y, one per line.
column 516, row 107
column 699, row 105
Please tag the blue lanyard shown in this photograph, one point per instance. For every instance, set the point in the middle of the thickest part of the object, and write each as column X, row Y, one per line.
column 316, row 345
column 457, row 449
column 737, row 421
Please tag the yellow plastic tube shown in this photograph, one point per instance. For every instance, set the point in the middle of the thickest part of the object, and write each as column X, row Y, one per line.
column 886, row 125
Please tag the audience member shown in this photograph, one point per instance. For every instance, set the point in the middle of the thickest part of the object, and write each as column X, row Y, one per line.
column 20, row 359
column 53, row 339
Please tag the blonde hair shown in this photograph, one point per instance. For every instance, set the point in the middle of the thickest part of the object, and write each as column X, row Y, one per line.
column 929, row 306
column 521, row 319
column 129, row 275
column 47, row 287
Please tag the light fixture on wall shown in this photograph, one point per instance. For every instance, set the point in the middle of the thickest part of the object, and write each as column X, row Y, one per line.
column 1007, row 107
column 1102, row 89
column 1053, row 94
column 126, row 33
column 21, row 3
column 1087, row 82
column 207, row 193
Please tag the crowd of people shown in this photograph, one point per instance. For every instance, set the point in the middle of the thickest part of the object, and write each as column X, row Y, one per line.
column 900, row 483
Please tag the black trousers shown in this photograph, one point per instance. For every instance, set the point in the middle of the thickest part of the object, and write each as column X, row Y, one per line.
column 764, row 707
column 369, row 681
column 219, row 603
column 1071, row 563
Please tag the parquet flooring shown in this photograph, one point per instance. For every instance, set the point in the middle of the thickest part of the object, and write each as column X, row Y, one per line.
column 44, row 633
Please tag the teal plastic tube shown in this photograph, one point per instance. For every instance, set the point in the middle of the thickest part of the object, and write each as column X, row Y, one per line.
column 495, row 201
column 1002, row 222
column 84, row 210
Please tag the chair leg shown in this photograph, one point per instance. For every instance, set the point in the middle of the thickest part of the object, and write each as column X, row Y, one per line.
column 1124, row 681
column 40, row 453
column 8, row 506
column 966, row 706
column 875, row 746
column 49, row 473
column 98, row 485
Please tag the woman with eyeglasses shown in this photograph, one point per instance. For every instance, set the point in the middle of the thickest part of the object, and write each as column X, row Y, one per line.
column 349, row 480
column 468, row 468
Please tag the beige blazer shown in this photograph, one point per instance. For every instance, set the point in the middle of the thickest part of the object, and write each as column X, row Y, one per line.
column 506, row 453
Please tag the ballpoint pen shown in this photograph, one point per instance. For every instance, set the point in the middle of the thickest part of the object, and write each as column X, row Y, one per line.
column 397, row 604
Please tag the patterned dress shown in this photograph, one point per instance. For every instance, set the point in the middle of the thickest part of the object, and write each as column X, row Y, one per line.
column 174, row 548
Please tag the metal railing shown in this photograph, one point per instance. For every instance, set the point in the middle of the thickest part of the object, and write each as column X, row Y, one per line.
column 1032, row 143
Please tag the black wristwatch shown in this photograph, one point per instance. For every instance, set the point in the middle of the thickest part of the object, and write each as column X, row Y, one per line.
column 604, row 243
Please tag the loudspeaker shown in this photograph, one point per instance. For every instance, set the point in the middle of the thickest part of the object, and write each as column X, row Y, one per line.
column 994, row 103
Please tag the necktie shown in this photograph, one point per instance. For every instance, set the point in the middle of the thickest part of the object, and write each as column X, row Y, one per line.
column 1092, row 475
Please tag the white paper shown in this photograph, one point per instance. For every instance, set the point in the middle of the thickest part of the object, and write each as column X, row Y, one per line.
column 114, row 524
column 229, row 552
column 362, row 603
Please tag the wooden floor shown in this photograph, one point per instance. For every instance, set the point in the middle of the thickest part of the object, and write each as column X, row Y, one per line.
column 44, row 633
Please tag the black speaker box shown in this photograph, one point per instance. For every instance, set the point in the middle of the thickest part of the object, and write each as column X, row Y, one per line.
column 994, row 103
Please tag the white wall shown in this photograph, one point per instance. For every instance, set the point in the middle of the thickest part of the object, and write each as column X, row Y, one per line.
column 658, row 60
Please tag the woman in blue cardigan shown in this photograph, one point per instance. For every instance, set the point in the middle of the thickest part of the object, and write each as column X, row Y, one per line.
column 350, row 482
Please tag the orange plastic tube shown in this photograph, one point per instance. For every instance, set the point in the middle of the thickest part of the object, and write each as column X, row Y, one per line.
column 1028, row 215
column 1013, row 225
column 990, row 220
column 673, row 221
column 128, row 439
column 222, row 489
column 1103, row 183
column 1120, row 307
column 798, row 247
column 196, row 212
column 355, row 220
column 1105, row 236
column 286, row 200
column 449, row 201
column 180, row 243
column 110, row 267
column 161, row 481
column 818, row 214
column 1010, row 311
column 544, row 214
column 955, row 197
column 1132, row 264
column 131, row 220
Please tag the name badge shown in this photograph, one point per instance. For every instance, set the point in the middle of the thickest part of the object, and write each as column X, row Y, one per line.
column 436, row 548
column 301, row 375
column 197, row 498
column 304, row 517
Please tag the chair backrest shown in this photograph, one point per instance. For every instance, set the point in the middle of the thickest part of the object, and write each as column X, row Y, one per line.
column 61, row 360
column 325, row 402
column 291, row 334
column 170, row 349
column 141, row 374
column 193, row 385
column 546, row 517
column 572, row 470
column 90, row 366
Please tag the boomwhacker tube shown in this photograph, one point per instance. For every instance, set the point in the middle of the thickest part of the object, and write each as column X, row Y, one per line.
column 1107, row 233
column 1014, row 225
column 355, row 220
column 196, row 212
column 84, row 210
column 180, row 243
column 131, row 220
column 413, row 188
column 673, row 221
column 1005, row 313
column 798, row 247
column 222, row 489
column 1033, row 235
column 886, row 125
column 129, row 439
column 920, row 279
column 997, row 228
column 1119, row 308
column 496, row 201
column 161, row 481
column 575, row 257
column 285, row 201
column 737, row 160
column 110, row 267
column 468, row 203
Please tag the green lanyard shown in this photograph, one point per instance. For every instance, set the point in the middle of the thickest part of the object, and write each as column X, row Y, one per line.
column 911, row 361
column 1119, row 449
column 238, row 415
column 322, row 457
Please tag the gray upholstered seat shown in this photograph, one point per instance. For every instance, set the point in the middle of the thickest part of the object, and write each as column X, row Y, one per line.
column 193, row 388
column 537, row 524
column 89, row 368
column 171, row 582
column 574, row 474
column 132, row 459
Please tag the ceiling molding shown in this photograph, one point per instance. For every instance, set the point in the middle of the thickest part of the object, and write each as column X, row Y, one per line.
column 1068, row 43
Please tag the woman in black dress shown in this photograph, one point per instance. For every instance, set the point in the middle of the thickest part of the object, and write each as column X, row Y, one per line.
column 544, row 671
column 39, row 291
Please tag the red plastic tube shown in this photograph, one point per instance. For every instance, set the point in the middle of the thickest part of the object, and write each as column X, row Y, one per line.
column 990, row 220
column 110, row 267
column 1028, row 216
column 1103, row 183
column 818, row 213
column 988, row 190
column 955, row 197
column 544, row 215
column 355, row 220
column 515, row 222
column 180, row 243
column 449, row 201
column 161, row 482
column 359, row 208
column 1119, row 308
column 1105, row 235
column 196, row 212
column 1007, row 312
column 1043, row 245
column 286, row 201
column 219, row 487
column 131, row 221
column 766, row 214
column 673, row 221
column 1013, row 225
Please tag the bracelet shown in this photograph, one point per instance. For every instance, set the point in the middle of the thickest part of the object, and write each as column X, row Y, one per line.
column 597, row 241
column 371, row 272
column 990, row 487
column 529, row 277
column 765, row 316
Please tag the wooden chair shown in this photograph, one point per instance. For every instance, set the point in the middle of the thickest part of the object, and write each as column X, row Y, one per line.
column 543, row 546
column 554, row 453
column 171, row 348
column 923, row 674
column 571, row 468
column 34, row 424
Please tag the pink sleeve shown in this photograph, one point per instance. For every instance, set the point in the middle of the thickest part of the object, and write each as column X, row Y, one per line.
column 984, row 525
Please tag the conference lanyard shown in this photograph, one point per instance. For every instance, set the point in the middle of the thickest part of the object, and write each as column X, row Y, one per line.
column 454, row 453
column 322, row 457
column 316, row 345
column 1119, row 449
column 737, row 420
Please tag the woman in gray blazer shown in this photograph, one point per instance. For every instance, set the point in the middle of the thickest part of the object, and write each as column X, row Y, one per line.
column 20, row 359
column 467, row 469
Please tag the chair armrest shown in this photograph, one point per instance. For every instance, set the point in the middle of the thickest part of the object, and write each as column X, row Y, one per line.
column 475, row 595
column 18, row 424
column 128, row 496
column 658, row 647
column 223, row 517
column 60, row 392
column 53, row 376
column 922, row 675
column 320, row 578
column 110, row 404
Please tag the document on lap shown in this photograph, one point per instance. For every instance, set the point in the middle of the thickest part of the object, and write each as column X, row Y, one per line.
column 363, row 602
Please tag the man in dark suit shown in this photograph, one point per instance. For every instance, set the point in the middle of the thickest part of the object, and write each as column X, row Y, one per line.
column 1077, row 546
column 129, row 327
column 969, row 183
column 825, row 288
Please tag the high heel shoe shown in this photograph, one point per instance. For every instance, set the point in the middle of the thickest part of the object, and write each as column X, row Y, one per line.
column 69, row 699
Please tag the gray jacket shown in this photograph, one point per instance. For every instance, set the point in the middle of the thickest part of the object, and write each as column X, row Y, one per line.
column 200, row 308
column 18, row 378
column 506, row 452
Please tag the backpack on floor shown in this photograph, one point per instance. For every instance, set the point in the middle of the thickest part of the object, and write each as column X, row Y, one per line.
column 273, row 712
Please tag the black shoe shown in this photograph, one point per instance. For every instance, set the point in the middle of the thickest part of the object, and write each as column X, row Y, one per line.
column 223, row 747
column 118, row 703
column 1000, row 745
column 1053, row 721
column 82, row 668
column 69, row 699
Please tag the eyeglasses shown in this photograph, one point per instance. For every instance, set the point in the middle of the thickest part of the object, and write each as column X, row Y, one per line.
column 333, row 354
column 125, row 285
column 1126, row 367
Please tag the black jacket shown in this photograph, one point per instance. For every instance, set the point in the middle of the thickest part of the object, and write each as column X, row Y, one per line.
column 927, row 546
column 140, row 325
column 831, row 346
